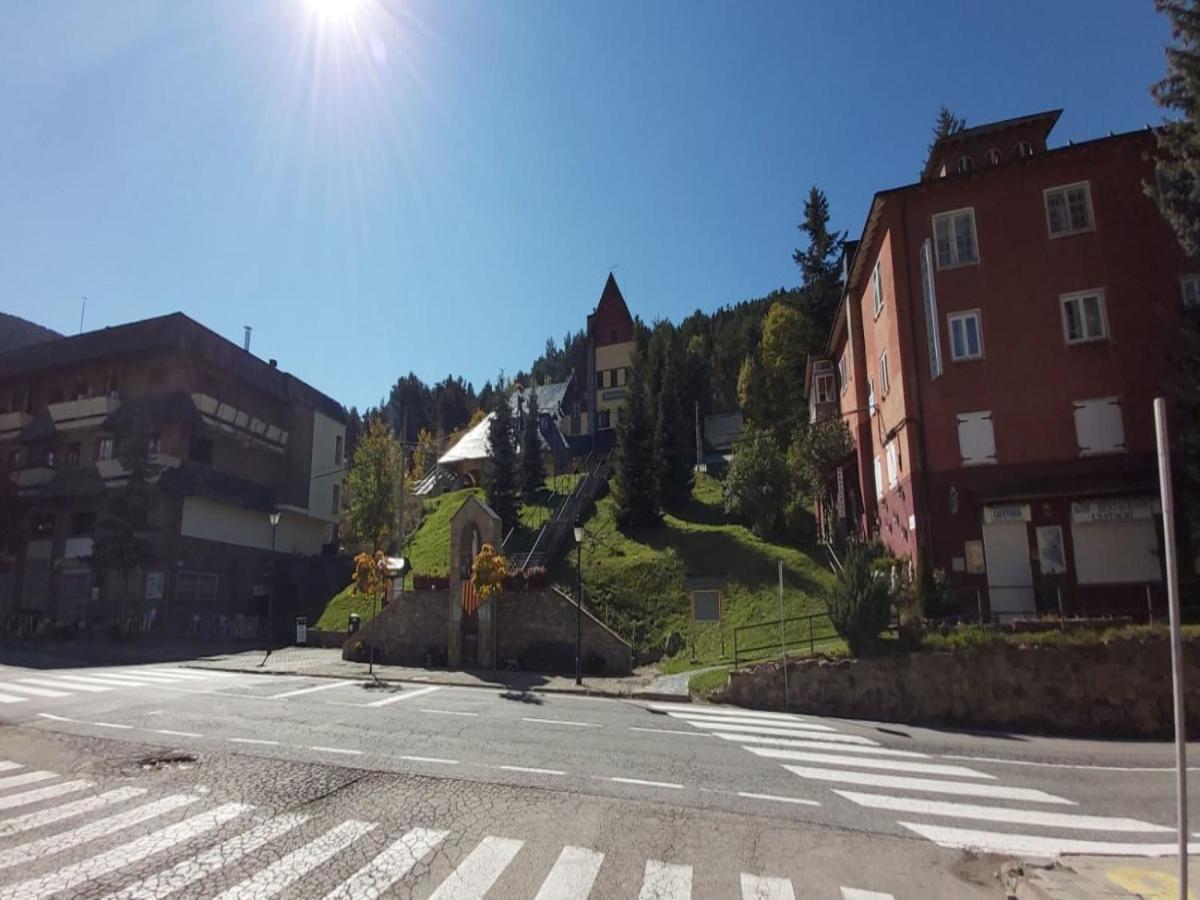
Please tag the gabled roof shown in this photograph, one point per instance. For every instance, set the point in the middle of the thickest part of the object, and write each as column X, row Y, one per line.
column 549, row 396
column 1044, row 120
column 472, row 445
column 612, row 302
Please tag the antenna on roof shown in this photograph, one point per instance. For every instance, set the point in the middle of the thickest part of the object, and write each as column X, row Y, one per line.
column 246, row 342
column 82, row 310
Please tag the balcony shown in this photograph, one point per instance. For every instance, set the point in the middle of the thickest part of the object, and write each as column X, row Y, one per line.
column 77, row 548
column 87, row 413
column 32, row 477
column 12, row 423
column 238, row 422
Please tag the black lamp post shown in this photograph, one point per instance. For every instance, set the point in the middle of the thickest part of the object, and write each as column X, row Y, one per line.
column 274, row 519
column 579, row 602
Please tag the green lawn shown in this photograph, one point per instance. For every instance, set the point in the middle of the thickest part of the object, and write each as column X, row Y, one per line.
column 336, row 616
column 636, row 580
column 429, row 546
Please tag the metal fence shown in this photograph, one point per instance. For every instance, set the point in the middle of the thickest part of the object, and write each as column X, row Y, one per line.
column 799, row 636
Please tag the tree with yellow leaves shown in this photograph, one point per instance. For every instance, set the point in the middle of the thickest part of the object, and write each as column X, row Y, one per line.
column 487, row 575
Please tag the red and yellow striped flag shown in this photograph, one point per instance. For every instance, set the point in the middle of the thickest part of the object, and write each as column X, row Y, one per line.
column 470, row 600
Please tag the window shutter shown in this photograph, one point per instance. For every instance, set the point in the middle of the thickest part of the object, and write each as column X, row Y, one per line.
column 976, row 438
column 878, row 480
column 1099, row 427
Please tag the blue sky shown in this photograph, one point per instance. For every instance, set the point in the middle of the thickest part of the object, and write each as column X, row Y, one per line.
column 440, row 186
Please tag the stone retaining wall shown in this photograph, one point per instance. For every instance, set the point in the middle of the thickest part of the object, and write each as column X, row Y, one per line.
column 1120, row 688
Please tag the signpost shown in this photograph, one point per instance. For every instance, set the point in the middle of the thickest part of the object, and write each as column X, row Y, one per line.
column 783, row 642
column 1168, row 514
column 708, row 603
column 301, row 630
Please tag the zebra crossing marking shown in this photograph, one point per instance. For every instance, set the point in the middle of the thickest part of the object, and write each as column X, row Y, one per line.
column 46, row 793
column 396, row 698
column 702, row 720
column 856, row 894
column 118, row 858
column 734, row 711
column 807, row 744
column 288, row 869
column 310, row 690
column 100, row 828
column 8, row 766
column 666, row 881
column 864, row 762
column 832, row 737
column 9, row 698
column 475, row 875
column 67, row 682
column 33, row 691
column 929, row 785
column 25, row 778
column 389, row 866
column 33, row 820
column 210, row 861
column 757, row 887
column 1035, row 845
column 572, row 876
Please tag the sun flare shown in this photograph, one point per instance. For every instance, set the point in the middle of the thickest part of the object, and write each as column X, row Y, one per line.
column 336, row 11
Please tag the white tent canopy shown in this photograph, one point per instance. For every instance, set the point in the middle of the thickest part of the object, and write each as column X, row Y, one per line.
column 473, row 445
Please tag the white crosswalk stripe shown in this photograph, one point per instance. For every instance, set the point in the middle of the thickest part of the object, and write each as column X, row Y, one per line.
column 1034, row 845
column 79, row 873
column 70, row 682
column 929, row 785
column 283, row 872
column 13, row 801
column 8, row 765
column 29, row 821
column 13, row 781
column 856, row 894
column 863, row 762
column 1004, row 814
column 703, row 721
column 10, row 698
column 193, row 869
column 57, row 685
column 32, row 691
column 99, row 828
column 820, row 744
column 476, row 874
column 389, row 866
column 573, row 875
column 832, row 737
column 118, row 680
column 727, row 711
column 757, row 887
column 666, row 881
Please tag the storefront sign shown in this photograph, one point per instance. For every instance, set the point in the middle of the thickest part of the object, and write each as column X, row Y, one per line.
column 1113, row 509
column 1012, row 512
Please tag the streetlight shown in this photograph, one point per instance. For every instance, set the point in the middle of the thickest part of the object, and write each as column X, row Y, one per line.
column 274, row 519
column 579, row 602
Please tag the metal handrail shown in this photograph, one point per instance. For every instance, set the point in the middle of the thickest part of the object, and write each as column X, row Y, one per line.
column 777, row 644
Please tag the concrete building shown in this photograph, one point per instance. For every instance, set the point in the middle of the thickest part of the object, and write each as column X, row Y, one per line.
column 1004, row 327
column 610, row 348
column 234, row 437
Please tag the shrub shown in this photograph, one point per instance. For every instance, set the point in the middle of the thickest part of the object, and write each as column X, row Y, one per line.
column 860, row 603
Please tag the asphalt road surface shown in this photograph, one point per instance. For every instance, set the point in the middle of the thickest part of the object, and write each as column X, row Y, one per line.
column 164, row 780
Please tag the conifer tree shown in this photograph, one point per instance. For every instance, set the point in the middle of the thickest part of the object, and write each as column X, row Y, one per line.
column 947, row 124
column 819, row 270
column 672, row 444
column 533, row 470
column 636, row 489
column 502, row 484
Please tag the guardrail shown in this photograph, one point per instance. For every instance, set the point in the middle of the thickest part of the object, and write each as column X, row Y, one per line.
column 768, row 639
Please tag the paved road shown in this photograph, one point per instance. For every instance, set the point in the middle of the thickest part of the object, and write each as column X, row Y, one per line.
column 443, row 792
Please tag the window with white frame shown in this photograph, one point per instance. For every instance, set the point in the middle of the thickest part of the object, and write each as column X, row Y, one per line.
column 841, row 370
column 877, row 289
column 1099, row 427
column 337, row 499
column 871, row 395
column 954, row 238
column 1024, row 150
column 825, row 390
column 885, row 382
column 965, row 165
column 1190, row 287
column 966, row 335
column 1069, row 209
column 976, row 438
column 893, row 464
column 1083, row 316
column 994, row 156
column 878, row 480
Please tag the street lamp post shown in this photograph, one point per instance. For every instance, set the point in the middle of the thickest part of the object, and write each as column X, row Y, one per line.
column 579, row 602
column 274, row 519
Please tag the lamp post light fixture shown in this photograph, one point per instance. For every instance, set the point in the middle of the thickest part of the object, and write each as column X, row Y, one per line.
column 579, row 602
column 273, row 517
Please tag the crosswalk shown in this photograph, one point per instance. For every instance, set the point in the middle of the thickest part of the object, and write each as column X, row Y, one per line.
column 925, row 793
column 54, row 839
column 22, row 686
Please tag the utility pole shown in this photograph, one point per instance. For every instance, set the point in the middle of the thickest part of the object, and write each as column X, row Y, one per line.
column 699, row 443
column 403, row 478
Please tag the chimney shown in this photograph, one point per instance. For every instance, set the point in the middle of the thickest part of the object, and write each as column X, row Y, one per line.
column 246, row 343
column 273, row 363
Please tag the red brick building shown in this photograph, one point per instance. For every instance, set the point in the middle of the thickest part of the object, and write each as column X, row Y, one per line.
column 1005, row 325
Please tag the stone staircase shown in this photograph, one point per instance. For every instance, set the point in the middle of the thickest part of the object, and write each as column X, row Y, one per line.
column 559, row 528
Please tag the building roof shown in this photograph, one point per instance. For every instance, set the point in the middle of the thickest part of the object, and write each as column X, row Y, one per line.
column 722, row 429
column 473, row 445
column 549, row 396
column 612, row 308
column 1045, row 122
column 173, row 333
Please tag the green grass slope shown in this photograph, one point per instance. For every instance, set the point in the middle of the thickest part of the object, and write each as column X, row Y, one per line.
column 636, row 580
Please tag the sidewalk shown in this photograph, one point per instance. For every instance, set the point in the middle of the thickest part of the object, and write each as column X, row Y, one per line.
column 1101, row 878
column 644, row 684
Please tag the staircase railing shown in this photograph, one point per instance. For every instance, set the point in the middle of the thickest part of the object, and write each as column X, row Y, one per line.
column 585, row 491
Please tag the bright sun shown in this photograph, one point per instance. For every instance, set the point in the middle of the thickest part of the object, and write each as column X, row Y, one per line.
column 335, row 10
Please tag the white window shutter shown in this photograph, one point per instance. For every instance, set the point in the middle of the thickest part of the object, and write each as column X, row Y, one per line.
column 1099, row 427
column 976, row 438
column 878, row 480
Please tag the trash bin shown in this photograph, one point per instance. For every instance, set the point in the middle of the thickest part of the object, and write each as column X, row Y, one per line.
column 355, row 621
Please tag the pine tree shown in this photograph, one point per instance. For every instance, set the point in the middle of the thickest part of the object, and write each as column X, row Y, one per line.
column 373, row 488
column 753, row 396
column 636, row 491
column 1177, row 192
column 818, row 262
column 502, row 484
column 533, row 469
column 947, row 124
column 672, row 444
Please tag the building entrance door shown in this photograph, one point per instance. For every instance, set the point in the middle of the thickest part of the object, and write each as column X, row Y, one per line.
column 1009, row 574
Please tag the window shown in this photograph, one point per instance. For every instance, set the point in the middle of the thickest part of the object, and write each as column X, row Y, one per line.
column 1190, row 286
column 878, row 480
column 893, row 464
column 1098, row 426
column 602, row 418
column 994, row 157
column 825, row 391
column 612, row 378
column 337, row 499
column 871, row 396
column 841, row 372
column 201, row 450
column 885, row 383
column 976, row 438
column 965, row 165
column 104, row 448
column 599, row 378
column 1083, row 317
column 71, row 456
column 954, row 238
column 1024, row 150
column 966, row 335
column 929, row 301
column 1069, row 209
column 337, row 449
column 196, row 588
column 114, row 387
column 83, row 522
column 1052, row 557
column 877, row 290
column 81, row 390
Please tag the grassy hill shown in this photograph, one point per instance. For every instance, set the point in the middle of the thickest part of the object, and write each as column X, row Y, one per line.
column 635, row 581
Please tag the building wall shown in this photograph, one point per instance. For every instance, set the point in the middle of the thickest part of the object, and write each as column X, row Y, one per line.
column 225, row 523
column 327, row 464
column 613, row 357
